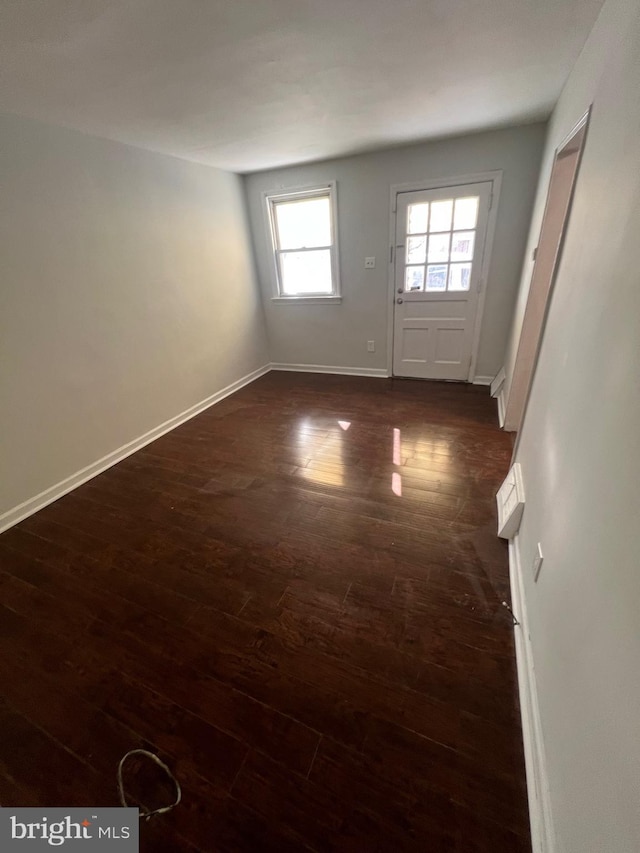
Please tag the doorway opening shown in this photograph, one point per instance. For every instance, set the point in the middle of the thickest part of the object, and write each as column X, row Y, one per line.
column 547, row 258
column 441, row 234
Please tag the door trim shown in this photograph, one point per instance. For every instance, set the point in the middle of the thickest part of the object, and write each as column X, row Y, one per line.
column 495, row 178
column 509, row 424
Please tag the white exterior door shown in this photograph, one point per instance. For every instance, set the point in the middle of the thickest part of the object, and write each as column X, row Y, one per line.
column 440, row 241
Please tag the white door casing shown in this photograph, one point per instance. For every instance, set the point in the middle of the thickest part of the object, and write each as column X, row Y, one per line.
column 440, row 240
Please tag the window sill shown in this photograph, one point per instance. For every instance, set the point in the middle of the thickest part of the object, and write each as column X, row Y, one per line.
column 301, row 300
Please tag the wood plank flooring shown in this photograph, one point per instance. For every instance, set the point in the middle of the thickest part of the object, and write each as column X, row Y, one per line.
column 295, row 600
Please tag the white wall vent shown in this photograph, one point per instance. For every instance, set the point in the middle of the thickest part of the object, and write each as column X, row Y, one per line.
column 510, row 500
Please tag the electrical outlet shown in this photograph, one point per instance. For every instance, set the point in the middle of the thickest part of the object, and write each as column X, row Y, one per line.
column 369, row 263
column 537, row 562
column 371, row 346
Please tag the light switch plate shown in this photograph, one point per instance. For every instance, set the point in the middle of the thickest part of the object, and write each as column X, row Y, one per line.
column 369, row 263
column 371, row 346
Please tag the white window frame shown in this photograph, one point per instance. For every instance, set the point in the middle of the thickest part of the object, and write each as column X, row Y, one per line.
column 271, row 198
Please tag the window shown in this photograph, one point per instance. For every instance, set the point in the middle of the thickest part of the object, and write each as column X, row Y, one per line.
column 441, row 239
column 303, row 232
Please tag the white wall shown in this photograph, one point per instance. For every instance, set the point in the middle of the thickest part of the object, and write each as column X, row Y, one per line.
column 337, row 335
column 127, row 295
column 580, row 452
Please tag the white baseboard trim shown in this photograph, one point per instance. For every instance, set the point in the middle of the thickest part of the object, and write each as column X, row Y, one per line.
column 482, row 380
column 501, row 410
column 540, row 815
column 29, row 507
column 324, row 368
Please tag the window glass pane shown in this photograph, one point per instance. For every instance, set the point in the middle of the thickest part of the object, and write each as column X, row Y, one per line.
column 306, row 272
column 439, row 247
column 416, row 250
column 418, row 218
column 462, row 246
column 466, row 213
column 303, row 224
column 414, row 278
column 460, row 277
column 437, row 277
column 441, row 212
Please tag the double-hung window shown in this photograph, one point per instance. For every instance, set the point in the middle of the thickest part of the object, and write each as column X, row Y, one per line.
column 302, row 225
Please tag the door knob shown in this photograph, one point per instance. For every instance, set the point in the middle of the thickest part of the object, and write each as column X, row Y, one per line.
column 399, row 301
column 400, row 290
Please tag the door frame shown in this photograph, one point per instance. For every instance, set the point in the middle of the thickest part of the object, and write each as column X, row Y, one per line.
column 515, row 424
column 495, row 178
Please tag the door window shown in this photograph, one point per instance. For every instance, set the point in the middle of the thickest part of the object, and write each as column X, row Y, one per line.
column 441, row 239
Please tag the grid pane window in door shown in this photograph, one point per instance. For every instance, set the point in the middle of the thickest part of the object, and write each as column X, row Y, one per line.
column 439, row 248
column 436, row 277
column 459, row 277
column 417, row 249
column 441, row 213
column 418, row 218
column 462, row 244
column 466, row 213
column 414, row 278
column 442, row 235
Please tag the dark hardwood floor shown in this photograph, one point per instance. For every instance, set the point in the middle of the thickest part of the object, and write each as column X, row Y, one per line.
column 295, row 600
